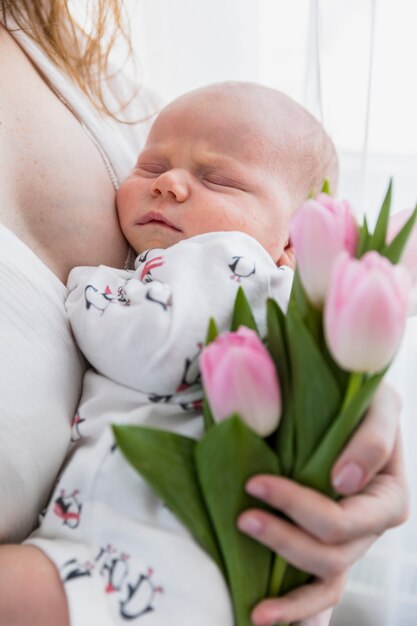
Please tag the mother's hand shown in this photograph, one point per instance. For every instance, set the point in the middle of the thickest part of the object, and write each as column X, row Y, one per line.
column 327, row 536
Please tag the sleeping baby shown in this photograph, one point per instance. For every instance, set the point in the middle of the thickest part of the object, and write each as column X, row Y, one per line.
column 206, row 209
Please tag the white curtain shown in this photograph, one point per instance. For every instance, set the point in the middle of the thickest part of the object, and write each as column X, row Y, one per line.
column 352, row 63
column 182, row 44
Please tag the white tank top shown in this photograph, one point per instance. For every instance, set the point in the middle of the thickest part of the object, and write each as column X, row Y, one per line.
column 36, row 344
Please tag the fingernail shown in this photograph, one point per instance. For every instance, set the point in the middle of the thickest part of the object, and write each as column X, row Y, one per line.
column 261, row 618
column 250, row 525
column 257, row 489
column 349, row 479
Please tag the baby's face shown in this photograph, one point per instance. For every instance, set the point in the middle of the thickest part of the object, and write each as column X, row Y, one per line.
column 202, row 171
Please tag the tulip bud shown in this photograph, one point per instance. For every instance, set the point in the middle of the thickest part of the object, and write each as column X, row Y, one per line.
column 319, row 231
column 239, row 376
column 365, row 311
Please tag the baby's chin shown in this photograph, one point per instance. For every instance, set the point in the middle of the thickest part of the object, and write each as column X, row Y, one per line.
column 157, row 240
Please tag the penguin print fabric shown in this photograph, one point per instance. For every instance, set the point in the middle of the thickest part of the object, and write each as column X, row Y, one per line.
column 139, row 327
column 122, row 556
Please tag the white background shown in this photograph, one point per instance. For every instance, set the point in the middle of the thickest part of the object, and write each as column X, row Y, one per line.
column 183, row 44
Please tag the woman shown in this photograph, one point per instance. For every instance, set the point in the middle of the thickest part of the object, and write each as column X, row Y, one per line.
column 63, row 150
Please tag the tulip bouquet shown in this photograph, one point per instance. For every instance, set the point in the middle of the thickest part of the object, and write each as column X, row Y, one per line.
column 286, row 403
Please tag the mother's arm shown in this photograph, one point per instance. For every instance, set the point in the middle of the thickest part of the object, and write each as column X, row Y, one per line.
column 327, row 536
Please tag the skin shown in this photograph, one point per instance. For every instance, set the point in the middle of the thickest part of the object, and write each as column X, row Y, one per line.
column 27, row 598
column 193, row 177
column 77, row 225
column 55, row 192
column 331, row 536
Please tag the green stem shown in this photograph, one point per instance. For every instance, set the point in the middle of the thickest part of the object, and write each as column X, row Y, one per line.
column 353, row 386
column 315, row 324
column 277, row 576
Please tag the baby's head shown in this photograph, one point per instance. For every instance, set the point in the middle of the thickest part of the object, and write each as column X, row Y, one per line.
column 230, row 156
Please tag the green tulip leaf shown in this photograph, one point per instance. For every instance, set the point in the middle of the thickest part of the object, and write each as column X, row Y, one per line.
column 276, row 340
column 212, row 331
column 326, row 187
column 299, row 302
column 242, row 313
column 316, row 393
column 379, row 236
column 207, row 415
column 276, row 344
column 395, row 249
column 316, row 472
column 226, row 458
column 298, row 298
column 364, row 237
column 166, row 462
column 212, row 334
column 292, row 579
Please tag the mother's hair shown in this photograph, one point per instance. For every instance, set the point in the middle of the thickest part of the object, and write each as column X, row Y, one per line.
column 82, row 54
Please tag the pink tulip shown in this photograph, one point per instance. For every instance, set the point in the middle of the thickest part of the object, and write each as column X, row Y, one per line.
column 409, row 257
column 319, row 231
column 365, row 311
column 239, row 376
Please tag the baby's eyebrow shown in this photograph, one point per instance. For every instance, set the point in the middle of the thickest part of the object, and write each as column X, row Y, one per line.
column 214, row 159
column 201, row 158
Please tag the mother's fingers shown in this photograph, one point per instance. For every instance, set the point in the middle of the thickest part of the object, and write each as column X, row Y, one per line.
column 320, row 517
column 381, row 505
column 302, row 603
column 301, row 549
column 327, row 536
column 371, row 446
column 312, row 511
column 386, row 499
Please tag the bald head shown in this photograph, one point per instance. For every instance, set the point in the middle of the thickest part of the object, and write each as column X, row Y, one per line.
column 231, row 156
column 269, row 126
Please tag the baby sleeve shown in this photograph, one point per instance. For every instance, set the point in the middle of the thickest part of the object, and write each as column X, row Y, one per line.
column 146, row 328
column 115, row 322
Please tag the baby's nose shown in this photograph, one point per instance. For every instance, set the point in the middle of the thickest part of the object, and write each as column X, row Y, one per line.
column 173, row 184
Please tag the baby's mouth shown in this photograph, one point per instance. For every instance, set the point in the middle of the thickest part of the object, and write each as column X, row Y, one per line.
column 154, row 217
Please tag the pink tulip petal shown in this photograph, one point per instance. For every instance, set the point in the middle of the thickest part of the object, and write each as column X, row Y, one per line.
column 365, row 312
column 239, row 376
column 319, row 231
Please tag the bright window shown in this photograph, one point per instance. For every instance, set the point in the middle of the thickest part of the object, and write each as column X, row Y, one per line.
column 345, row 29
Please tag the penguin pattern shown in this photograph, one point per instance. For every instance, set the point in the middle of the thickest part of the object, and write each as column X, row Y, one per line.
column 68, row 508
column 135, row 590
column 242, row 267
column 142, row 332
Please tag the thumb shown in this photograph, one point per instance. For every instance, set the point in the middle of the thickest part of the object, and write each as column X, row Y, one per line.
column 370, row 448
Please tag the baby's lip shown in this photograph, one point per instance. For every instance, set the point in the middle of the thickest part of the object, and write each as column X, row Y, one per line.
column 154, row 216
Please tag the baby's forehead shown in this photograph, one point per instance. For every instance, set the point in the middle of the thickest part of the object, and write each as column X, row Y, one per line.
column 246, row 126
column 254, row 125
column 240, row 107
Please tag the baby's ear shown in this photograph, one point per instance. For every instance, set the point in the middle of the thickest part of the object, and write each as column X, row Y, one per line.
column 288, row 256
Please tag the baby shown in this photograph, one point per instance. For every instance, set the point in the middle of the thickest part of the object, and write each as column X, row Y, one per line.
column 206, row 208
column 231, row 156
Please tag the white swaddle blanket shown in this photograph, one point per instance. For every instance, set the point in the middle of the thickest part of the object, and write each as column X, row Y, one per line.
column 40, row 368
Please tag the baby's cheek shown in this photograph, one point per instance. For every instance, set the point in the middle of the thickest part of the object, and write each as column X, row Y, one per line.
column 122, row 195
